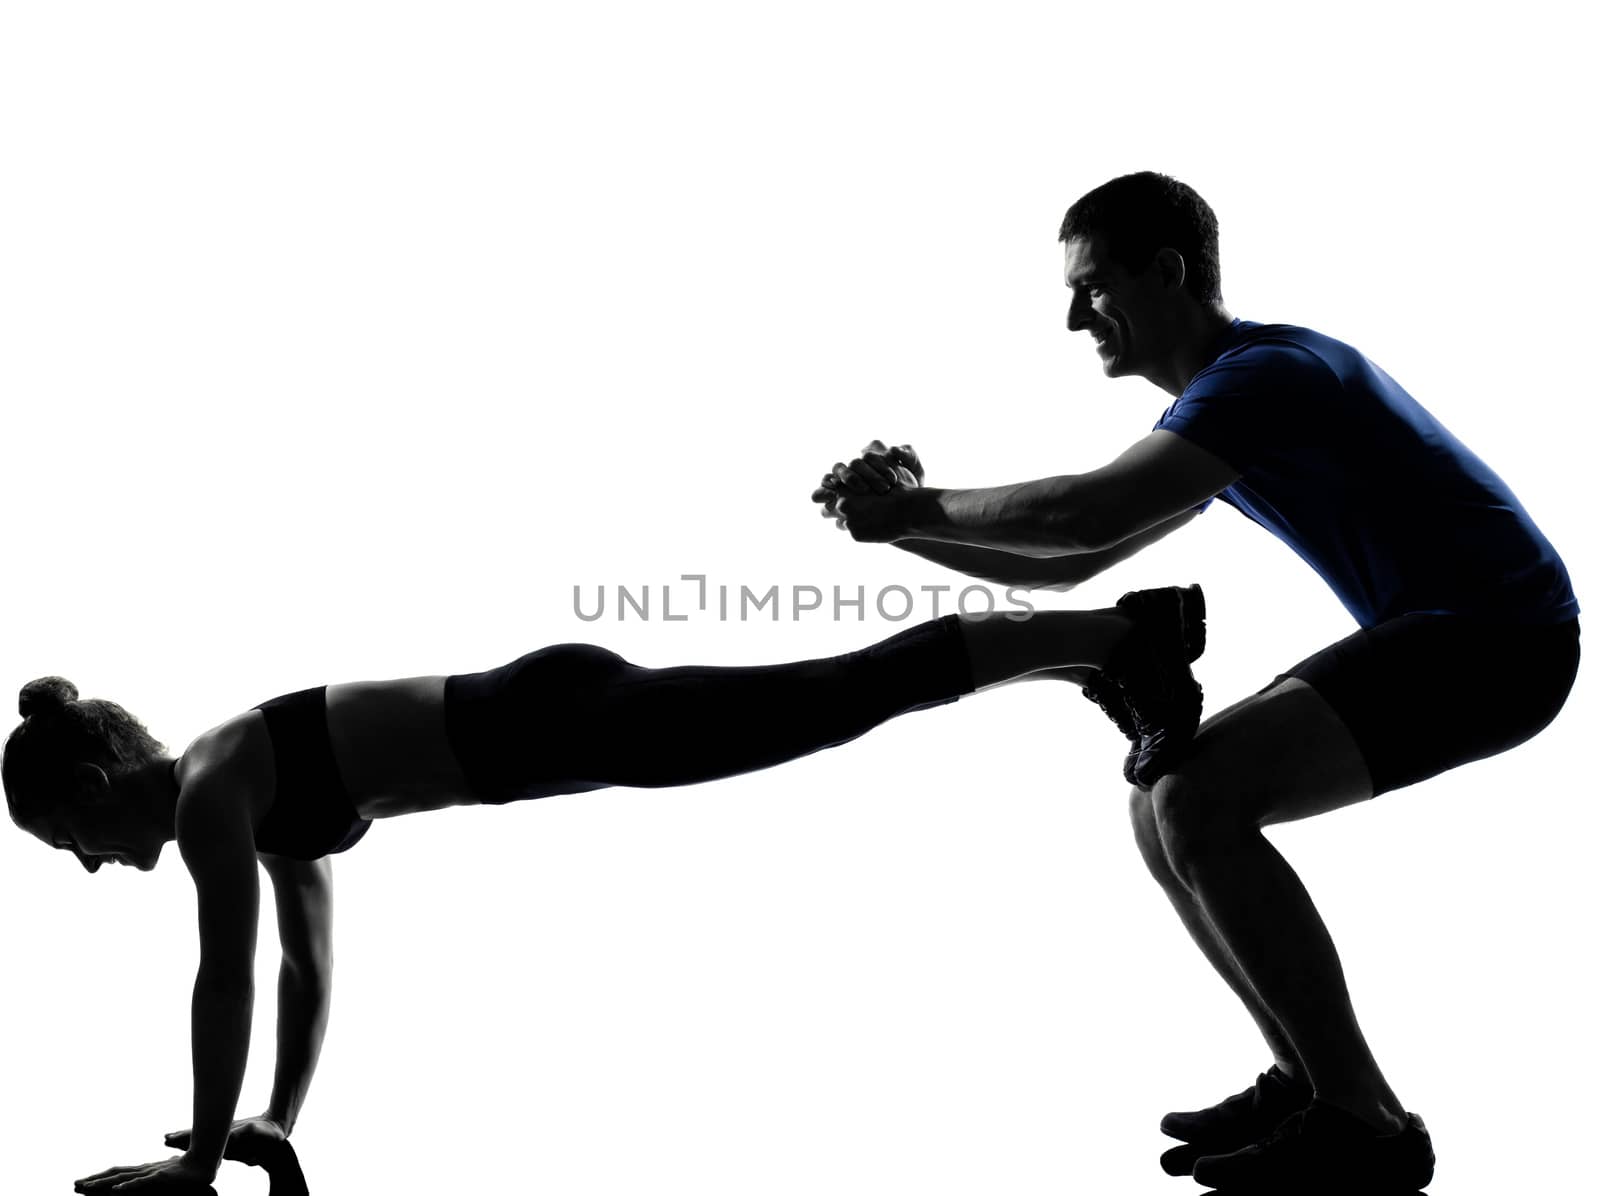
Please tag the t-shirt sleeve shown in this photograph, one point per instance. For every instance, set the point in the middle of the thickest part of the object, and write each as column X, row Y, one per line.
column 1236, row 408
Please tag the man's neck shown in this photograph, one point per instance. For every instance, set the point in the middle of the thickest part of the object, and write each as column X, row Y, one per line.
column 1196, row 342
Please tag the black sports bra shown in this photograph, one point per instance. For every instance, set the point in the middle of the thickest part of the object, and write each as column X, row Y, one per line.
column 312, row 814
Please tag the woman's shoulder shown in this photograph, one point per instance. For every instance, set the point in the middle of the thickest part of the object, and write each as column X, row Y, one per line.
column 230, row 765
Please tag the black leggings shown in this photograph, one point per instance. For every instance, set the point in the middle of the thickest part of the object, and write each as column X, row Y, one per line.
column 575, row 717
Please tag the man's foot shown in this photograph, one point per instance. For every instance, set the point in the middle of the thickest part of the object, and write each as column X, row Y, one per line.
column 1103, row 690
column 1323, row 1148
column 1151, row 668
column 1234, row 1123
column 1244, row 1117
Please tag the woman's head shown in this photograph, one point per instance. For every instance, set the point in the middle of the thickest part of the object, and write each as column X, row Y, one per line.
column 62, row 764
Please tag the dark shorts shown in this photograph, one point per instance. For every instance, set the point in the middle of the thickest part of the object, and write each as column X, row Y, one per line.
column 1424, row 693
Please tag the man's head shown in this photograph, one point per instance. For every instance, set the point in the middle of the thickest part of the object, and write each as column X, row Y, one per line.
column 1143, row 268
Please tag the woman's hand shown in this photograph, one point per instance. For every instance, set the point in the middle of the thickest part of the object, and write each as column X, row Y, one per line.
column 180, row 1176
column 251, row 1140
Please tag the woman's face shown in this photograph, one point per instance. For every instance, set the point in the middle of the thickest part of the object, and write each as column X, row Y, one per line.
column 98, row 830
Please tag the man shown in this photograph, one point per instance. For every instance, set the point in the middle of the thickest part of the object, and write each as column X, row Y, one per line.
column 1428, row 549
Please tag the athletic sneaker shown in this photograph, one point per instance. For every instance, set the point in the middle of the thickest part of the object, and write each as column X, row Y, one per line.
column 1244, row 1117
column 1151, row 668
column 1234, row 1123
column 1104, row 691
column 1106, row 694
column 1323, row 1148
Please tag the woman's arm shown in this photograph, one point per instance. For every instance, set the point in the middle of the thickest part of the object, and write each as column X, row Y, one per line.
column 217, row 843
column 304, row 895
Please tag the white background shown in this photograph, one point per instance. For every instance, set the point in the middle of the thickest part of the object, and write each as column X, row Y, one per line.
column 342, row 341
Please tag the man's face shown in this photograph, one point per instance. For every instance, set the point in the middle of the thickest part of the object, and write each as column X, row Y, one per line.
column 1124, row 312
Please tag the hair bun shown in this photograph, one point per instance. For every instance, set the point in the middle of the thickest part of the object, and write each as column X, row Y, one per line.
column 45, row 695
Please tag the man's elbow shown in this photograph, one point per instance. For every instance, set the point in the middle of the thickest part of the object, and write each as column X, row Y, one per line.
column 1063, row 517
column 1082, row 530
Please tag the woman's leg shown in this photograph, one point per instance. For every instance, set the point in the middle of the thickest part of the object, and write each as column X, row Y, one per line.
column 677, row 726
column 1067, row 644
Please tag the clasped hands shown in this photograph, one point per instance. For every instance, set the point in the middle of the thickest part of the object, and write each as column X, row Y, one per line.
column 873, row 497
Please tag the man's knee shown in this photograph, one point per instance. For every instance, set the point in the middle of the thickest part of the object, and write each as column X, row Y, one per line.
column 1194, row 822
column 1147, row 836
column 1143, row 816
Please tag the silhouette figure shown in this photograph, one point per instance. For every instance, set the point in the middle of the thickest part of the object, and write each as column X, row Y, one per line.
column 1429, row 550
column 302, row 777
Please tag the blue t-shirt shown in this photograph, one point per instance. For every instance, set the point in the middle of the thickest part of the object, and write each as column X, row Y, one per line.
column 1342, row 465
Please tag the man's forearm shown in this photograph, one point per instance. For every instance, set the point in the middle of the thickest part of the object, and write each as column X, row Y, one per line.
column 304, row 996
column 220, row 1042
column 994, row 565
column 1042, row 518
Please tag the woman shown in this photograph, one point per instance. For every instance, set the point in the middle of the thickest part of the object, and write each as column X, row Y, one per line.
column 301, row 777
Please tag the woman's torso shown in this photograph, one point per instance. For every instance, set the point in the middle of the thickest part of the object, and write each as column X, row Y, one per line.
column 389, row 742
column 389, row 754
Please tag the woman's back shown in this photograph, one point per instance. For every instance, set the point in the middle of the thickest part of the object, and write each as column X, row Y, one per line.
column 317, row 765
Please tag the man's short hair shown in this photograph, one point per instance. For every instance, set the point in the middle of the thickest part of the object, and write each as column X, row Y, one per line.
column 1137, row 214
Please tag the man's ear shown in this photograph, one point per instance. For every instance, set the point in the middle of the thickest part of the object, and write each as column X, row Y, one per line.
column 90, row 782
column 1171, row 267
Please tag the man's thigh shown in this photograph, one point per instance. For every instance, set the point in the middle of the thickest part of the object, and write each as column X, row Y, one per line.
column 1276, row 756
column 1381, row 709
column 1425, row 693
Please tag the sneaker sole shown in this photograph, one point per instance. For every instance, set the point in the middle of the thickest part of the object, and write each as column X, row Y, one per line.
column 1192, row 615
column 1385, row 1177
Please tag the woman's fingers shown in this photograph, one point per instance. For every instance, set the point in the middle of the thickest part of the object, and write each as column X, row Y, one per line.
column 106, row 1174
column 105, row 1181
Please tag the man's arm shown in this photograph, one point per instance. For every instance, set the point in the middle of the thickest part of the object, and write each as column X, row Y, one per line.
column 303, row 891
column 217, row 845
column 1154, row 481
column 1039, row 572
